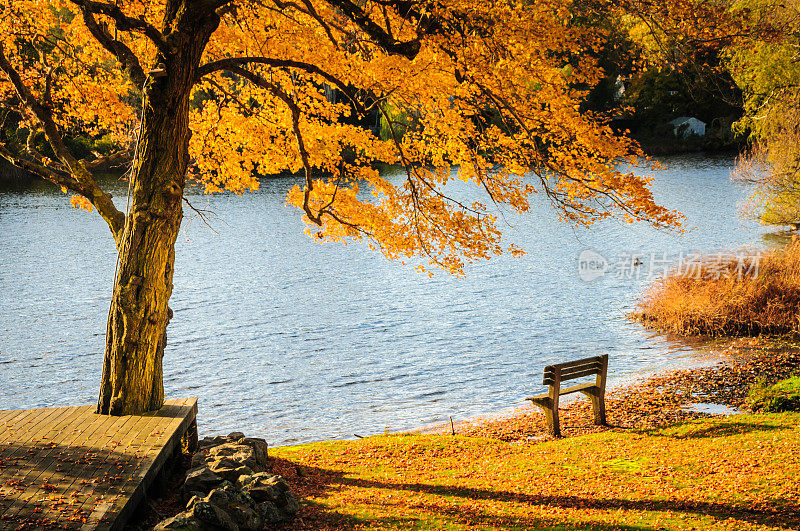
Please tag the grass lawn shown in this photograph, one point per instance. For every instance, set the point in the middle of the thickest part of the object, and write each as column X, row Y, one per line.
column 738, row 472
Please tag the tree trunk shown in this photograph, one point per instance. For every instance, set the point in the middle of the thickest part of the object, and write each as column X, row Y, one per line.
column 132, row 381
column 136, row 335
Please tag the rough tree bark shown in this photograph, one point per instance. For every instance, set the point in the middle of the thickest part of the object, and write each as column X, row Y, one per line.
column 132, row 380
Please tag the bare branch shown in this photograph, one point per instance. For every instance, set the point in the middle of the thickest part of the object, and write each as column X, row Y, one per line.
column 202, row 212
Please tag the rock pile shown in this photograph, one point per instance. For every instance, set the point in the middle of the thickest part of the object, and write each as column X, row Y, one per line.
column 228, row 488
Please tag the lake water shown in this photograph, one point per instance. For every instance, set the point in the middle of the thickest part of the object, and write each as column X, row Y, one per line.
column 284, row 338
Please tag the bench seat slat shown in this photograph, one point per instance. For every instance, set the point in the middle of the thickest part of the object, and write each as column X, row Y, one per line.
column 588, row 388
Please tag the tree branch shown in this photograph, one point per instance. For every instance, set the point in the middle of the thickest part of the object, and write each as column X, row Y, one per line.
column 118, row 158
column 321, row 22
column 312, row 12
column 230, row 63
column 379, row 36
column 125, row 23
column 45, row 172
column 88, row 187
column 295, row 110
column 127, row 59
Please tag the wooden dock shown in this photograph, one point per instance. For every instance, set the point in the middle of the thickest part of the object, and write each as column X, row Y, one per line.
column 69, row 468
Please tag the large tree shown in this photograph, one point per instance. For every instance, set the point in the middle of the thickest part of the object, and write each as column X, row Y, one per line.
column 225, row 90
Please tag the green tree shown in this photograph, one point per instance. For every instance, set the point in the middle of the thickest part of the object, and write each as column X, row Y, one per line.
column 767, row 68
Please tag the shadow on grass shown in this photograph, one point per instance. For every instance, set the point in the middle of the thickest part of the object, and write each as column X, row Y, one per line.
column 701, row 430
column 720, row 511
column 320, row 517
column 310, row 482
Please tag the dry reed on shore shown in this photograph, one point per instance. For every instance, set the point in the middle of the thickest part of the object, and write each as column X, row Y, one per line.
column 733, row 295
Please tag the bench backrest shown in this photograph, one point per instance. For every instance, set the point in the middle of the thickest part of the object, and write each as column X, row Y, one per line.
column 577, row 369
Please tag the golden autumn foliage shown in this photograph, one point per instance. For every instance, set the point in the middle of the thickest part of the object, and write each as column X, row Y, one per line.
column 753, row 45
column 492, row 91
column 713, row 473
column 768, row 70
column 78, row 201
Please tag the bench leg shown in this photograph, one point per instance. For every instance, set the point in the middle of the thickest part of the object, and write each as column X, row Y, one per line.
column 552, row 421
column 599, row 408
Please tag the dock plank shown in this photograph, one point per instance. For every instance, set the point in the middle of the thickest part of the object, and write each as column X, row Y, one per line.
column 53, row 464
column 41, row 453
column 101, row 502
column 69, row 468
column 155, row 443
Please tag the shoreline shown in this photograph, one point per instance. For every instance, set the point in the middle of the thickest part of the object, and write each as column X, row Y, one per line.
column 708, row 354
column 652, row 400
column 703, row 353
column 703, row 356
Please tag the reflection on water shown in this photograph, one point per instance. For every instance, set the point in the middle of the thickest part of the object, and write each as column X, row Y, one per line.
column 284, row 338
column 778, row 239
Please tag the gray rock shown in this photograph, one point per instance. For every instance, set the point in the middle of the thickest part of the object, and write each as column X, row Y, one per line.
column 210, row 514
column 241, row 453
column 181, row 522
column 260, row 448
column 250, row 451
column 208, row 442
column 219, row 497
column 229, row 469
column 199, row 458
column 201, row 479
column 193, row 495
column 227, row 507
column 271, row 514
column 194, row 499
column 259, row 487
column 240, row 506
column 271, row 492
column 214, row 503
column 264, row 486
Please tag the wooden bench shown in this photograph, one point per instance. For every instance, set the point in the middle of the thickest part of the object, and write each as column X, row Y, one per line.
column 560, row 372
